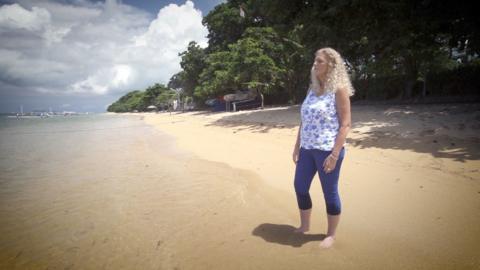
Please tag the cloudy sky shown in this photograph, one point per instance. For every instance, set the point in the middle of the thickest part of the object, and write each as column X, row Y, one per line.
column 82, row 55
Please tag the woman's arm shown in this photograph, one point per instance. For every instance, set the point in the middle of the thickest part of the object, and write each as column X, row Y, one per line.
column 297, row 143
column 296, row 148
column 343, row 109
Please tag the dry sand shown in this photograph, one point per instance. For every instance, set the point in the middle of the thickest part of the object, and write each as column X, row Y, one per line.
column 410, row 189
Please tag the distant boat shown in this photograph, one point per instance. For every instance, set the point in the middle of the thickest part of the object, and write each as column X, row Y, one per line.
column 18, row 116
column 41, row 114
column 66, row 113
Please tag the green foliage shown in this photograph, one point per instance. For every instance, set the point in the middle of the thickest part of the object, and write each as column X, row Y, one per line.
column 127, row 103
column 150, row 96
column 256, row 61
column 225, row 25
column 385, row 38
column 259, row 60
column 463, row 80
column 192, row 63
column 394, row 49
column 216, row 79
column 459, row 81
column 177, row 80
column 157, row 95
column 165, row 98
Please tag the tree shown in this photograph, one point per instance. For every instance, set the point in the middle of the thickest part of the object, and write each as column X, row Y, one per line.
column 256, row 61
column 225, row 26
column 192, row 63
column 127, row 103
column 379, row 38
column 150, row 94
column 216, row 79
column 389, row 46
column 165, row 98
column 259, row 59
column 177, row 80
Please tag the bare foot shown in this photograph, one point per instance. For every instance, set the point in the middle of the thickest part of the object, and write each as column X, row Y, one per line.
column 301, row 230
column 327, row 242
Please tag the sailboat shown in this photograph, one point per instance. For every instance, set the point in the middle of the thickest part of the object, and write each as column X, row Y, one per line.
column 22, row 115
column 18, row 115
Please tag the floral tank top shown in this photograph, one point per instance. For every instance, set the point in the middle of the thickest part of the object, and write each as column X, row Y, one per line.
column 320, row 122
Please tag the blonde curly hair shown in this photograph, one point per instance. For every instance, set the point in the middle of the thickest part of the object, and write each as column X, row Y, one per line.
column 337, row 76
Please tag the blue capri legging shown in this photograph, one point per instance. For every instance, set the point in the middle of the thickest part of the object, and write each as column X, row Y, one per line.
column 309, row 162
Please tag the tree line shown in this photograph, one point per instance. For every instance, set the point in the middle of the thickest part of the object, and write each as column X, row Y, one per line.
column 401, row 50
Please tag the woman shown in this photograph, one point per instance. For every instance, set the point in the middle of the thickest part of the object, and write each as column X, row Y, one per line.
column 325, row 114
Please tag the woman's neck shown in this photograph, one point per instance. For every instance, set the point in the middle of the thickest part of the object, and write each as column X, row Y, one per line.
column 321, row 78
column 321, row 84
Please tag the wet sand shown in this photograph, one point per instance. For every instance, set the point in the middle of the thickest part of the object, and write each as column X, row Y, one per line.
column 122, row 199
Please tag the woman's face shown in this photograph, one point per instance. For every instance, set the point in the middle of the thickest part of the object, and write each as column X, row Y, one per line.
column 320, row 65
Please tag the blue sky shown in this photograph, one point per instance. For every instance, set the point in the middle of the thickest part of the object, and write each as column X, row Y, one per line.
column 82, row 55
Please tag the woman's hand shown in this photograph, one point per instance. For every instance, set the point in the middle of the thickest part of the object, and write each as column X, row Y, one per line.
column 330, row 163
column 295, row 155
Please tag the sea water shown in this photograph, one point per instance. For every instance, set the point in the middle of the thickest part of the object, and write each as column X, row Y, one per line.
column 35, row 148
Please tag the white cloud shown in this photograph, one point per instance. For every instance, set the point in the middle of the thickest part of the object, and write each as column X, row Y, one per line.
column 37, row 21
column 122, row 74
column 16, row 17
column 109, row 78
column 93, row 48
column 173, row 27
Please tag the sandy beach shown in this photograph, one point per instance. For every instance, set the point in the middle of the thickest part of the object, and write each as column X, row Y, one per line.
column 204, row 190
column 409, row 186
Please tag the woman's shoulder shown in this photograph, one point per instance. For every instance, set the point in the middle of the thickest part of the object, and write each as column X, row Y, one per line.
column 341, row 92
column 309, row 93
